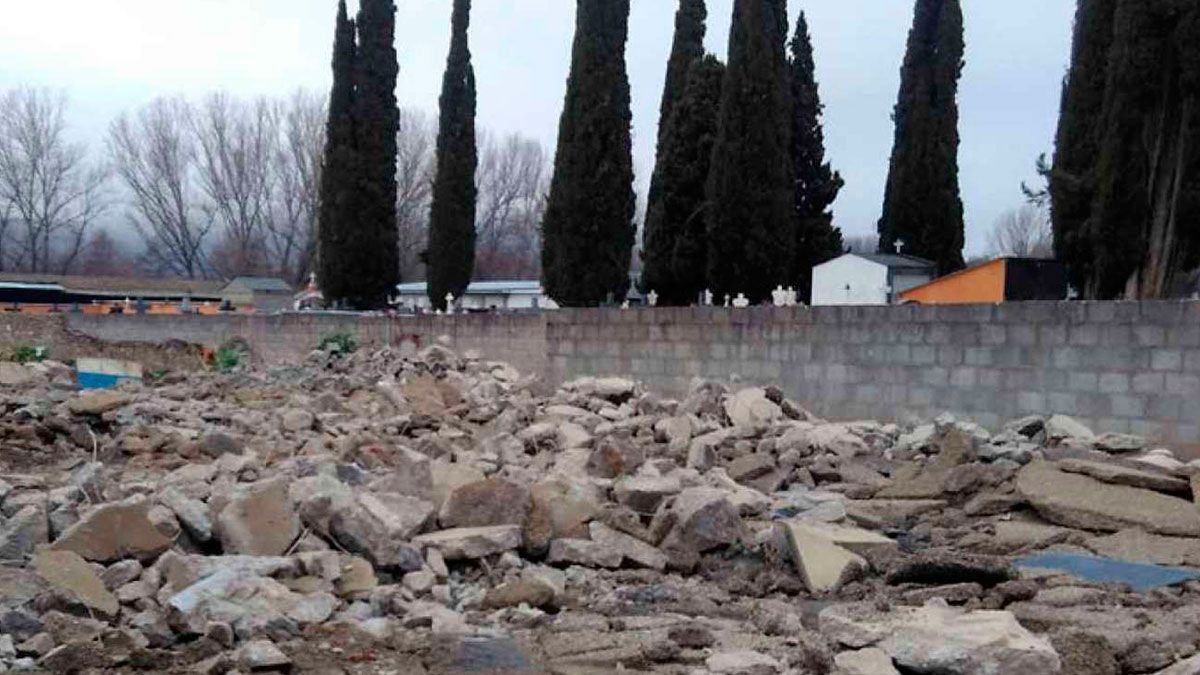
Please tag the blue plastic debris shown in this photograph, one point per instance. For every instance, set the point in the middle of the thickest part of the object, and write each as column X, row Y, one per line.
column 1141, row 576
column 105, row 373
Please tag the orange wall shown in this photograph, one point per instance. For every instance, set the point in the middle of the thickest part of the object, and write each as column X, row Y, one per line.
column 981, row 284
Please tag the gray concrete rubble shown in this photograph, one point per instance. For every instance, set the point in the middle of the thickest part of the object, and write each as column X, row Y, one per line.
column 435, row 512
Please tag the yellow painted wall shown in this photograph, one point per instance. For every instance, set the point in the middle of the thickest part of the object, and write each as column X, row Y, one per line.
column 980, row 284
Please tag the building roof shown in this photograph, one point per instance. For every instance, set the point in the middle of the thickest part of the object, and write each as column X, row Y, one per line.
column 482, row 288
column 896, row 260
column 263, row 284
column 114, row 286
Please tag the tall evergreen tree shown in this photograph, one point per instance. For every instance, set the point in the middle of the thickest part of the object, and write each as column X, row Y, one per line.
column 676, row 247
column 1144, row 227
column 686, row 48
column 373, row 258
column 751, row 226
column 817, row 184
column 1072, row 179
column 588, row 231
column 339, row 178
column 451, row 254
column 922, row 204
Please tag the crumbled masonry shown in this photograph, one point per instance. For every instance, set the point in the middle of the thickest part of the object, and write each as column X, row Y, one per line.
column 388, row 512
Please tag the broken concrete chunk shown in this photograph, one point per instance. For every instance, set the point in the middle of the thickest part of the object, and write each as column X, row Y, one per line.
column 486, row 503
column 827, row 556
column 115, row 531
column 531, row 592
column 742, row 663
column 67, row 573
column 296, row 420
column 704, row 519
column 1121, row 475
column 193, row 514
column 583, row 552
column 24, row 532
column 96, row 403
column 445, row 478
column 1120, row 443
column 470, row 543
column 1080, row 501
column 752, row 409
column 1060, row 427
column 746, row 468
column 628, row 547
column 261, row 520
column 939, row 639
column 262, row 655
column 644, row 493
column 869, row 661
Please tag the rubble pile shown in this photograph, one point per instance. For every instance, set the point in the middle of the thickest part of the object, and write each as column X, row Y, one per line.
column 431, row 512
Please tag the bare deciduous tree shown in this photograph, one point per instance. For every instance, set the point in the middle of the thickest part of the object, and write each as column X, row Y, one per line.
column 103, row 257
column 237, row 143
column 155, row 156
column 415, row 168
column 512, row 181
column 291, row 230
column 1024, row 232
column 50, row 192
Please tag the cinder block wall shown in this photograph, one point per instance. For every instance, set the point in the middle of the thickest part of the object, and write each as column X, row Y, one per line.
column 1122, row 367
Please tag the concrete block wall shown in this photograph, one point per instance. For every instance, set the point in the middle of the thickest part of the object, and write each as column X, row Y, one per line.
column 1121, row 367
column 288, row 338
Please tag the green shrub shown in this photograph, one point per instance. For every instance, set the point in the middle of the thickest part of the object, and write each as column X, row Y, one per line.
column 228, row 358
column 29, row 354
column 339, row 343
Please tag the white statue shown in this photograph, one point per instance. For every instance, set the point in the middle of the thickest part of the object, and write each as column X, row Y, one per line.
column 449, row 303
column 741, row 301
column 779, row 297
column 652, row 299
column 708, row 298
column 625, row 305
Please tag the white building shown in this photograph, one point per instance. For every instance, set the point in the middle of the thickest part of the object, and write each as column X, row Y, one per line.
column 868, row 278
column 482, row 295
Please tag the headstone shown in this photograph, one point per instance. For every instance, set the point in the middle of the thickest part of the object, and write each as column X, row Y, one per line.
column 741, row 301
column 708, row 298
column 652, row 299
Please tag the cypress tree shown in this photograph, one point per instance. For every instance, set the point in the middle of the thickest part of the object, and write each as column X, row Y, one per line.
column 817, row 184
column 588, row 231
column 751, row 224
column 451, row 255
column 338, row 179
column 373, row 257
column 1072, row 178
column 676, row 246
column 1142, row 230
column 686, row 48
column 922, row 205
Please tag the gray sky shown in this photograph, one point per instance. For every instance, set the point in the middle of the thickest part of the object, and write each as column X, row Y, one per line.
column 111, row 55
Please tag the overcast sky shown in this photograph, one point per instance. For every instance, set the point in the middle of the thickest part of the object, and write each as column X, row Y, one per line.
column 112, row 55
